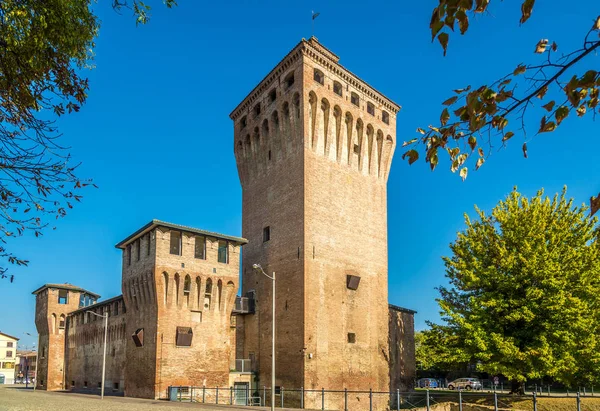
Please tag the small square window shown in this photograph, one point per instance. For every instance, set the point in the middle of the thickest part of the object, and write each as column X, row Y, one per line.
column 197, row 316
column 356, row 149
column 354, row 99
column 63, row 296
column 337, row 88
column 100, row 385
column 184, row 337
column 266, row 234
column 175, row 245
column 371, row 109
column 289, row 80
column 9, row 344
column 277, row 390
column 319, row 77
column 116, row 386
column 385, row 116
column 351, row 338
column 84, row 384
column 8, row 354
column 72, row 383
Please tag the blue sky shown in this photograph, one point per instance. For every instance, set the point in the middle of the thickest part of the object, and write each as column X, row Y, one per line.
column 156, row 137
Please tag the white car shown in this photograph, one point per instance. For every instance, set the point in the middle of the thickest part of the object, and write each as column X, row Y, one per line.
column 465, row 384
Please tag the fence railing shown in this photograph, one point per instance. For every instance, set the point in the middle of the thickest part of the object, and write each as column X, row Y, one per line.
column 421, row 400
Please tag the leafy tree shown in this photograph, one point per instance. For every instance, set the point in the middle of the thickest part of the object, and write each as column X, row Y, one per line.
column 524, row 293
column 476, row 117
column 44, row 47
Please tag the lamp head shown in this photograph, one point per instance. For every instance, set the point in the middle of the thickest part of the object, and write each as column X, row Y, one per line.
column 256, row 266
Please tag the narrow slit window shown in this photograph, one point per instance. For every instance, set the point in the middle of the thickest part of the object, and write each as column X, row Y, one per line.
column 149, row 243
column 175, row 247
column 128, row 254
column 139, row 248
column 266, row 234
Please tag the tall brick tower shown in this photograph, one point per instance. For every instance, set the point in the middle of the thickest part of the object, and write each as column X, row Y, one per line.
column 314, row 145
column 53, row 302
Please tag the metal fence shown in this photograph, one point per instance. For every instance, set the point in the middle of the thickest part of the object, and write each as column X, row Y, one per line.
column 419, row 400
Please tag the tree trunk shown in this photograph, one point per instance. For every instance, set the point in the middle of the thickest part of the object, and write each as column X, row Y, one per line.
column 516, row 387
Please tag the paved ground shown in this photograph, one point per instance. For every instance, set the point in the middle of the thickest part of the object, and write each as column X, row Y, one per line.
column 17, row 398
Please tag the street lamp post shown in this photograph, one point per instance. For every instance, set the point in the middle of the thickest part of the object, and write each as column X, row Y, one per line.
column 105, row 316
column 272, row 278
column 37, row 356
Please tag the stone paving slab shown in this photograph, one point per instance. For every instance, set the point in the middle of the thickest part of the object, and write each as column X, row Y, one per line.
column 18, row 398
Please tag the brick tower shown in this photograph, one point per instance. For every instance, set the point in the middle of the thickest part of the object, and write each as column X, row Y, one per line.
column 314, row 145
column 179, row 285
column 53, row 303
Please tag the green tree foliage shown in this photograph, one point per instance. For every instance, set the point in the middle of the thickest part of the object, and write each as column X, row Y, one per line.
column 475, row 118
column 45, row 45
column 524, row 293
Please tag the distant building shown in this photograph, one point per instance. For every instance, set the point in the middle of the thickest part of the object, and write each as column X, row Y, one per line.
column 313, row 145
column 8, row 353
column 25, row 366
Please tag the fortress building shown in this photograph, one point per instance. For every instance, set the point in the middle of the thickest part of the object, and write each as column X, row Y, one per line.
column 314, row 145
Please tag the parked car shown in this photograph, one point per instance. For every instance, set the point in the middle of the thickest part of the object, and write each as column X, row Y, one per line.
column 465, row 384
column 428, row 383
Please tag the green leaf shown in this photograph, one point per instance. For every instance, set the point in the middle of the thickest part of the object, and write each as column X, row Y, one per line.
column 479, row 163
column 549, row 106
column 520, row 70
column 444, row 117
column 561, row 113
column 450, row 101
column 412, row 155
column 463, row 21
column 508, row 136
column 526, row 9
column 443, row 39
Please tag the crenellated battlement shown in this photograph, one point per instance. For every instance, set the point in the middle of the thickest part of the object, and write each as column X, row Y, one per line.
column 310, row 102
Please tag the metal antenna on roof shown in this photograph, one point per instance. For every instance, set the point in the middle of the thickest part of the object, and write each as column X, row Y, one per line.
column 314, row 16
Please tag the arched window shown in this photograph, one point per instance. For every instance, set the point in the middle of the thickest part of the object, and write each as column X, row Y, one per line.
column 208, row 294
column 319, row 77
column 61, row 322
column 354, row 99
column 257, row 110
column 243, row 122
column 272, row 95
column 337, row 88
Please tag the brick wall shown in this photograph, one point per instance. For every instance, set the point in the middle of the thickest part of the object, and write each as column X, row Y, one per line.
column 402, row 350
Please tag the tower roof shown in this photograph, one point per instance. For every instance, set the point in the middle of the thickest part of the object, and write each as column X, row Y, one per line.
column 65, row 286
column 324, row 56
column 157, row 223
